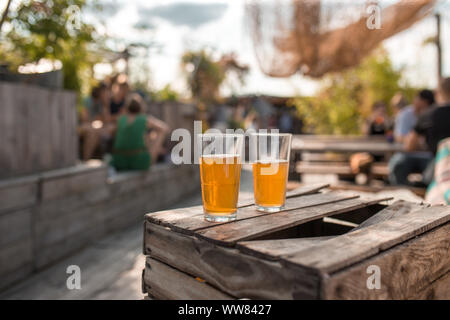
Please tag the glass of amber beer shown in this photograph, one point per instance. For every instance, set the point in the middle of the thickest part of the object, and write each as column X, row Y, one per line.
column 220, row 172
column 269, row 154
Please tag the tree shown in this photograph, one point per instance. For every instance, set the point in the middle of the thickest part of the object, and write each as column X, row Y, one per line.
column 54, row 30
column 206, row 75
column 346, row 98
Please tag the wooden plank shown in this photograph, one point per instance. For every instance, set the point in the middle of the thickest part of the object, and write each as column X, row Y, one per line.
column 165, row 282
column 35, row 140
column 21, row 156
column 437, row 290
column 339, row 252
column 46, row 152
column 33, row 129
column 196, row 223
column 239, row 275
column 301, row 191
column 405, row 270
column 15, row 226
column 324, row 168
column 56, row 125
column 168, row 217
column 62, row 182
column 273, row 249
column 15, row 255
column 71, row 136
column 374, row 146
column 229, row 234
column 18, row 193
column 7, row 151
column 396, row 209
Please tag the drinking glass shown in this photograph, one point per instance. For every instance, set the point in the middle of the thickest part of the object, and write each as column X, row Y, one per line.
column 269, row 154
column 220, row 172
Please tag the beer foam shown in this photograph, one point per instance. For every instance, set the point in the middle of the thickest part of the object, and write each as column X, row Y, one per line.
column 270, row 161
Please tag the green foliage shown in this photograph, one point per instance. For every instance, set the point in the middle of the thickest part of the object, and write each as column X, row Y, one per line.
column 205, row 75
column 346, row 98
column 52, row 29
column 166, row 94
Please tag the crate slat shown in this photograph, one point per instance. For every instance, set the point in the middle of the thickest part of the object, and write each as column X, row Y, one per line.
column 339, row 252
column 239, row 275
column 230, row 233
column 170, row 217
column 164, row 282
column 400, row 279
column 274, row 249
column 197, row 223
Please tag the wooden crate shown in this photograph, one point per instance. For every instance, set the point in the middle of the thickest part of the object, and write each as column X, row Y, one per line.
column 323, row 246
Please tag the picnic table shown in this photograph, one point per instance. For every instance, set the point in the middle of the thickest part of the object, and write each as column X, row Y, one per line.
column 344, row 144
column 322, row 154
column 324, row 245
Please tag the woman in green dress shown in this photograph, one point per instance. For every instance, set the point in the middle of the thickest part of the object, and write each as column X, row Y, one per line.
column 133, row 149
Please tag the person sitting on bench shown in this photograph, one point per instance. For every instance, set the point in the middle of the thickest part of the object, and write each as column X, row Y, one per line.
column 133, row 148
column 434, row 126
column 404, row 163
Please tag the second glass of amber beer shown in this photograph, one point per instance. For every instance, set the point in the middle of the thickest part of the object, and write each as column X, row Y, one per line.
column 269, row 154
column 220, row 172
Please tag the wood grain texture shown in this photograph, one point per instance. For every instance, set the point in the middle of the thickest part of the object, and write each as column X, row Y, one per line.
column 196, row 223
column 18, row 193
column 164, row 282
column 38, row 129
column 239, row 275
column 300, row 191
column 405, row 270
column 248, row 229
column 63, row 182
column 408, row 241
column 437, row 290
column 194, row 215
column 395, row 210
column 339, row 252
column 274, row 249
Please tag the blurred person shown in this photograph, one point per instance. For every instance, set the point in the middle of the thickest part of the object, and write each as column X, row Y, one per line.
column 134, row 148
column 94, row 116
column 379, row 122
column 119, row 93
column 406, row 117
column 402, row 164
column 286, row 122
column 433, row 126
column 438, row 191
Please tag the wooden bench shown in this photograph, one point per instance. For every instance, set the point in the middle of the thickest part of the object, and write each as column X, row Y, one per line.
column 322, row 246
column 379, row 170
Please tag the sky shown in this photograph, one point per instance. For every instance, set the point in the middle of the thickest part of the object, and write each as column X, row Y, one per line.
column 174, row 26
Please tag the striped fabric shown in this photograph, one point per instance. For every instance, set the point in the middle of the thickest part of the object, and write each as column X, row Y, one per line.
column 439, row 191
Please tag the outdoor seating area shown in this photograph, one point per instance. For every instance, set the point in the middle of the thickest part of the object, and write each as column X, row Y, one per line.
column 244, row 151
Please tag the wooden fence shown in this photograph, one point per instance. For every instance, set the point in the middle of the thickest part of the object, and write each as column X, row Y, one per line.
column 37, row 129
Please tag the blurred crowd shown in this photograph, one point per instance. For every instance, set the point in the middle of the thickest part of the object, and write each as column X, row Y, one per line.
column 114, row 119
column 422, row 128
